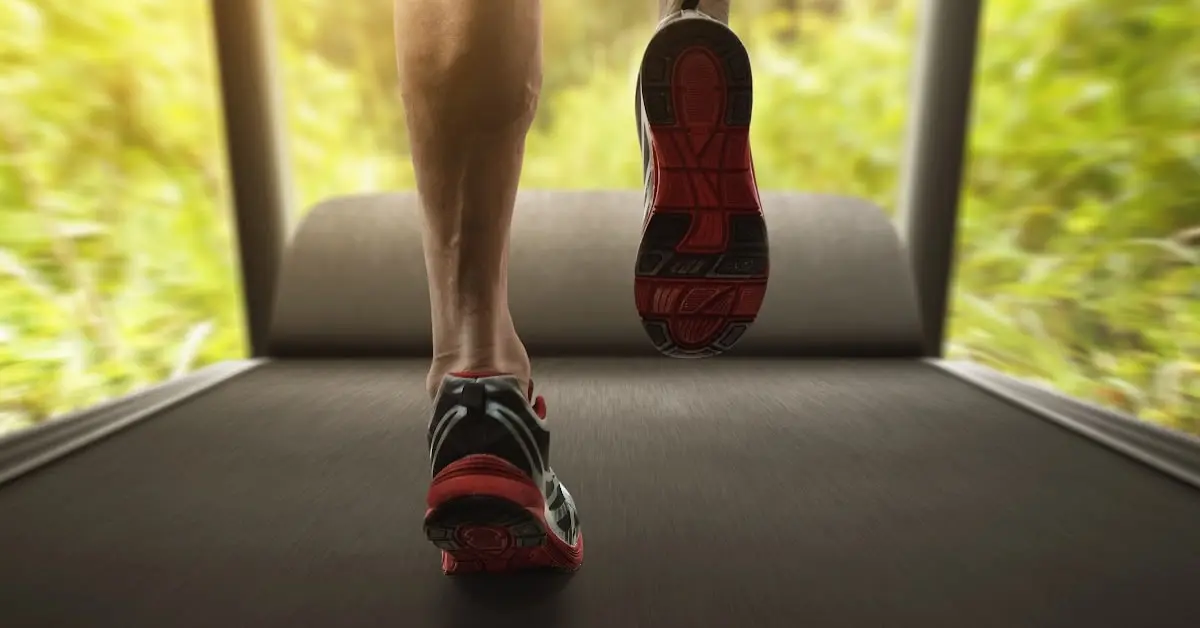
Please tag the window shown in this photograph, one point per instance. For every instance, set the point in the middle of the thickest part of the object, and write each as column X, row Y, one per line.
column 116, row 248
column 1079, row 246
column 830, row 100
column 116, row 264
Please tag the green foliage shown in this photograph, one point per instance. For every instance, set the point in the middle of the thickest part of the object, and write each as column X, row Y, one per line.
column 1078, row 261
column 114, row 256
column 1076, row 264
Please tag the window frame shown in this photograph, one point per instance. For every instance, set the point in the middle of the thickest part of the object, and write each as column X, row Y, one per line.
column 931, row 183
column 935, row 157
column 256, row 155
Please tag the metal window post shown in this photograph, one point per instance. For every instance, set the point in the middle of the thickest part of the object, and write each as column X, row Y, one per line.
column 256, row 156
column 937, row 139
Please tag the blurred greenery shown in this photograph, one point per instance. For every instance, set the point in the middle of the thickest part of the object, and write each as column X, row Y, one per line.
column 1079, row 254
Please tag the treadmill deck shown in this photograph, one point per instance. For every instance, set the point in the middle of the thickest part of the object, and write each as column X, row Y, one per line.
column 723, row 493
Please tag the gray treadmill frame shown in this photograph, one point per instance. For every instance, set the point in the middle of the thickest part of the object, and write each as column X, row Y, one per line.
column 259, row 171
column 938, row 127
column 938, row 122
column 929, row 209
column 26, row 451
column 931, row 183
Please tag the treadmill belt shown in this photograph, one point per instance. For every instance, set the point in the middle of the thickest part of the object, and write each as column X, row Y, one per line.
column 720, row 493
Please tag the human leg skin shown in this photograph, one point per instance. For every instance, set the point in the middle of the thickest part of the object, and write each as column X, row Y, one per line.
column 717, row 9
column 470, row 75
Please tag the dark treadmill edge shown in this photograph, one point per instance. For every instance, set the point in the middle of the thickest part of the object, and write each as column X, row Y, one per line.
column 1172, row 452
column 728, row 492
column 26, row 451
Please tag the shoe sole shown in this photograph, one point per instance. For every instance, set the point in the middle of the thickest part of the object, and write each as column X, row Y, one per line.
column 702, row 266
column 487, row 516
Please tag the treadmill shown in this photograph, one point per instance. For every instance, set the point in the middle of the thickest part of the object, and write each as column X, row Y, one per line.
column 830, row 471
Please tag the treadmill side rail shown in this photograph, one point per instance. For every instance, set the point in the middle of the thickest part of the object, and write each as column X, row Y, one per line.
column 25, row 451
column 1173, row 453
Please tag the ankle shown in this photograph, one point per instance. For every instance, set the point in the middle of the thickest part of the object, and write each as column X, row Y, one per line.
column 478, row 346
column 479, row 367
column 716, row 9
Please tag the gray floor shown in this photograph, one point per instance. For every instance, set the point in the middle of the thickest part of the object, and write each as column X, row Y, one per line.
column 713, row 493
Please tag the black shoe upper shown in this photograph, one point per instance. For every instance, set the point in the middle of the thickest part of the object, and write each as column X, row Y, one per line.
column 487, row 415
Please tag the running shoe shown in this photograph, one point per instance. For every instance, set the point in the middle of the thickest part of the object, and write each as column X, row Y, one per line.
column 701, row 270
column 494, row 504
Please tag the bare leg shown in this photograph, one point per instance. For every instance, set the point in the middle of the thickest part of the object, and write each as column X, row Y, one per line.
column 718, row 9
column 470, row 75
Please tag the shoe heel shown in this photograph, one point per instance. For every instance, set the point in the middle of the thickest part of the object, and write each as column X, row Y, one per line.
column 485, row 516
column 484, row 476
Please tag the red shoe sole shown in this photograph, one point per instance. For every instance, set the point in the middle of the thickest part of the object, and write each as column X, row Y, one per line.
column 487, row 516
column 702, row 266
